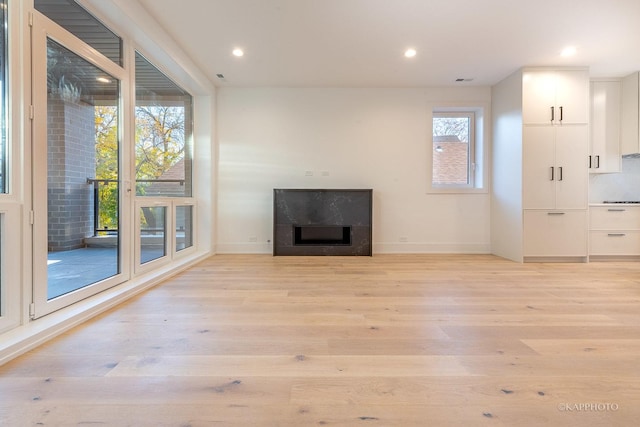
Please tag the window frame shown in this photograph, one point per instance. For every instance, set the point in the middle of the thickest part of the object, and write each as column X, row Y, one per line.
column 477, row 164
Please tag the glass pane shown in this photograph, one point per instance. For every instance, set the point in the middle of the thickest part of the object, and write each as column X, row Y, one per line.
column 82, row 172
column 163, row 134
column 73, row 18
column 3, row 97
column 153, row 234
column 184, row 227
column 451, row 150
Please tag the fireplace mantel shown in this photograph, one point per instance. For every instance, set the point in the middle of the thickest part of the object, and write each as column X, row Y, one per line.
column 322, row 222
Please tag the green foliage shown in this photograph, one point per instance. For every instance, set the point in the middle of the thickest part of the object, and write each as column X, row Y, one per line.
column 160, row 139
column 160, row 144
column 106, row 125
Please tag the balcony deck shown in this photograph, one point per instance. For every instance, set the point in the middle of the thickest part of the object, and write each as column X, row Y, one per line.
column 77, row 268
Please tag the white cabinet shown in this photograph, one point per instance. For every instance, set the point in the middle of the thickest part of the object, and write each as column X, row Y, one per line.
column 555, row 172
column 555, row 233
column 614, row 231
column 555, row 97
column 605, row 120
column 540, row 171
column 630, row 132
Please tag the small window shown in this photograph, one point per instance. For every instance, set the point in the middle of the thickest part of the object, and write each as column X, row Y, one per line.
column 453, row 149
column 457, row 150
column 184, row 227
column 153, row 233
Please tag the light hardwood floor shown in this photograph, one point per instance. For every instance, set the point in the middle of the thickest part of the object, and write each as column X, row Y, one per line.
column 389, row 340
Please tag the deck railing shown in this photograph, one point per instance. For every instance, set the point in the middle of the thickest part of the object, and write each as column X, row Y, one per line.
column 98, row 227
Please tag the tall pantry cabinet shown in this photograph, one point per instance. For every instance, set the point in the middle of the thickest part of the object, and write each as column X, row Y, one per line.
column 540, row 164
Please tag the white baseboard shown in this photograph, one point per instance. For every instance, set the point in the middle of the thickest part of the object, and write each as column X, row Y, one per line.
column 431, row 248
column 380, row 248
column 244, row 248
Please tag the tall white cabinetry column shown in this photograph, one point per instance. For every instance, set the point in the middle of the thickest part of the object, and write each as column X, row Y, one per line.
column 546, row 142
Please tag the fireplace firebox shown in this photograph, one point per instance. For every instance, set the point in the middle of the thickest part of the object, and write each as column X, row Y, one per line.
column 322, row 222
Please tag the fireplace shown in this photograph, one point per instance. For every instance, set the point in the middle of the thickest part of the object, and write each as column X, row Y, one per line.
column 322, row 222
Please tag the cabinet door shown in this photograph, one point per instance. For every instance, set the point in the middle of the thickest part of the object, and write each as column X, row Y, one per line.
column 629, row 136
column 539, row 173
column 572, row 97
column 538, row 97
column 606, row 101
column 555, row 233
column 572, row 169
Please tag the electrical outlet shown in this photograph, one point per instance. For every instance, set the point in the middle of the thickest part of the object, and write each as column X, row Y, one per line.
column 253, row 239
column 403, row 239
column 308, row 173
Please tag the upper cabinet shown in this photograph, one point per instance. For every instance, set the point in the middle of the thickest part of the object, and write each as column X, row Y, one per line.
column 555, row 97
column 630, row 132
column 606, row 103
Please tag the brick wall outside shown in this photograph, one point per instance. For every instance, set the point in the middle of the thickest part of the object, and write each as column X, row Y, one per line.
column 71, row 160
column 450, row 164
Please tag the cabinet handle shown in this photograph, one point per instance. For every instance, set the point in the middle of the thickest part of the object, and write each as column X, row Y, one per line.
column 561, row 113
column 616, row 234
column 590, row 165
column 552, row 174
column 616, row 210
column 560, row 178
column 553, row 114
column 555, row 213
column 598, row 162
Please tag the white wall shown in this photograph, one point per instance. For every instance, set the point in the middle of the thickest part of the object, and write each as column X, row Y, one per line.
column 347, row 138
column 616, row 186
column 506, row 176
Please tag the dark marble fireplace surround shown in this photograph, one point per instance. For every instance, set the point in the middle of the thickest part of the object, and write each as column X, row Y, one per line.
column 322, row 222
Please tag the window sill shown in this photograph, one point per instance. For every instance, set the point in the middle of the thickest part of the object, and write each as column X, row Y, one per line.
column 457, row 190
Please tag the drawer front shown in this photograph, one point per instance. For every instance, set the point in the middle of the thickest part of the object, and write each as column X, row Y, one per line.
column 614, row 243
column 614, row 218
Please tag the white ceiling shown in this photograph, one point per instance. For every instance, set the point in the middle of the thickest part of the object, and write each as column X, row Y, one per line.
column 360, row 43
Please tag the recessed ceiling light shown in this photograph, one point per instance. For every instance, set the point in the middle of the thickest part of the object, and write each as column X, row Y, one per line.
column 103, row 80
column 410, row 53
column 237, row 52
column 568, row 51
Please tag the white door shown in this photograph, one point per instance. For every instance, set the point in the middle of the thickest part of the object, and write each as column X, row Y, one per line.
column 539, row 173
column 77, row 170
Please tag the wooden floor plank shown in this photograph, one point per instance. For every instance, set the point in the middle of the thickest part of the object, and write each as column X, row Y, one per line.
column 389, row 340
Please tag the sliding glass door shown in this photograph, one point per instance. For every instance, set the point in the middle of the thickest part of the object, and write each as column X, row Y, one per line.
column 77, row 174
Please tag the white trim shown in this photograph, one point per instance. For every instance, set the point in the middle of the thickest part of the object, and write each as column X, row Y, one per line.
column 378, row 248
column 10, row 250
column 482, row 142
column 244, row 248
column 431, row 248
